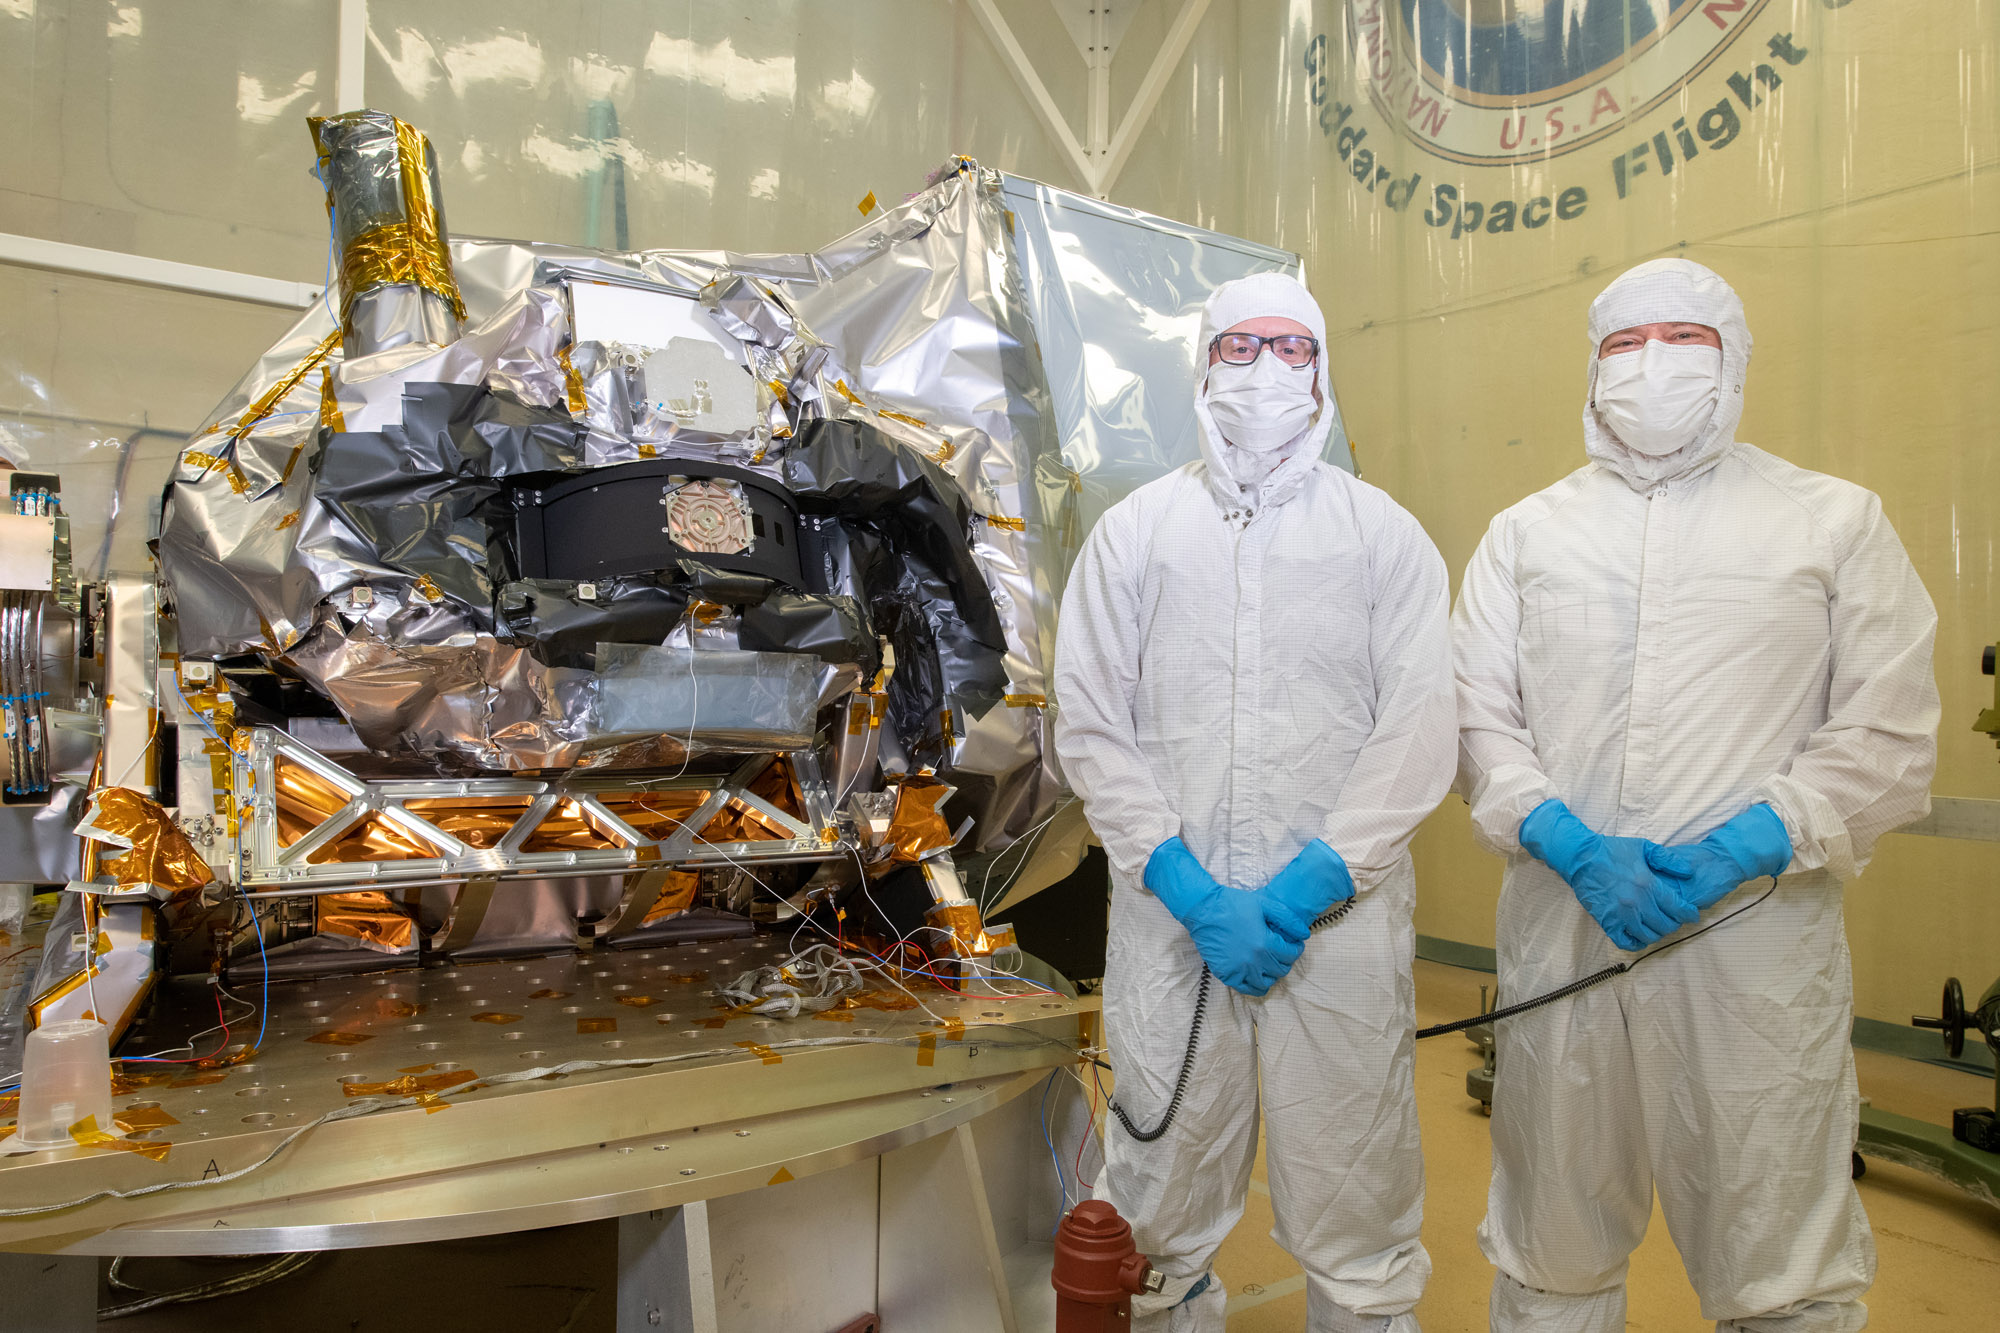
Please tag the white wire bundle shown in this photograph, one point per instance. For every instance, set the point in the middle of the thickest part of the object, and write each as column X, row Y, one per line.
column 814, row 979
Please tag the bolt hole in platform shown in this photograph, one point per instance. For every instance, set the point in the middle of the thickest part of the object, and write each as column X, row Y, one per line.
column 992, row 1013
column 742, row 1133
column 687, row 1170
column 532, row 1055
column 691, row 1032
column 260, row 1118
column 572, row 1008
column 338, row 1056
column 613, row 1045
column 864, row 1032
column 142, row 1106
column 512, row 1036
column 251, row 1092
column 444, row 1067
column 430, row 1045
column 352, row 1078
column 416, row 1027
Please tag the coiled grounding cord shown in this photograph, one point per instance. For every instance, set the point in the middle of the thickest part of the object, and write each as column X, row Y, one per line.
column 1327, row 918
column 1564, row 992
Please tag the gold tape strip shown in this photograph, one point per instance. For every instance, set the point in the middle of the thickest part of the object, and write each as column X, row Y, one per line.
column 88, row 1135
column 494, row 1016
column 209, row 462
column 587, row 1026
column 572, row 383
column 637, row 1001
column 329, row 407
column 340, row 1038
column 422, row 207
column 954, row 1029
column 762, row 1052
column 927, row 1049
column 1010, row 524
column 904, row 417
column 277, row 393
column 1026, row 700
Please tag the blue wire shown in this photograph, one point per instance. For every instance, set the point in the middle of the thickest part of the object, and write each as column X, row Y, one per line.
column 1064, row 1206
column 264, row 1009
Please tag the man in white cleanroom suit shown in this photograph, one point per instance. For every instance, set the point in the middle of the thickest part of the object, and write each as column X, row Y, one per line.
column 1255, row 702
column 1684, row 669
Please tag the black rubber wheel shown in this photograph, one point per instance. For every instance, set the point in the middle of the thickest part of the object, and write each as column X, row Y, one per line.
column 1860, row 1166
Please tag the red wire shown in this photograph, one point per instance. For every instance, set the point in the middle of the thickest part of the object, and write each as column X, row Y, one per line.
column 1077, row 1174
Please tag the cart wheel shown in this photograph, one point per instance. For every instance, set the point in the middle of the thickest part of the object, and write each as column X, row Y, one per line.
column 1860, row 1166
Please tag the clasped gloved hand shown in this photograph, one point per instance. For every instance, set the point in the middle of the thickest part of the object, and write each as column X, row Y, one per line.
column 1750, row 846
column 1631, row 886
column 1247, row 939
column 1314, row 881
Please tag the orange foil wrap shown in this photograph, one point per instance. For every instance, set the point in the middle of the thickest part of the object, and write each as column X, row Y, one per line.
column 961, row 921
column 676, row 896
column 917, row 826
column 370, row 917
column 159, row 853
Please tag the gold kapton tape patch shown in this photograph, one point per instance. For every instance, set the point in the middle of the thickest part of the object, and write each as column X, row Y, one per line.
column 762, row 1052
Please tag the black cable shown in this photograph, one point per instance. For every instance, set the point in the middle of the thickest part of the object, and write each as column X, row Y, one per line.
column 1194, row 1038
column 1594, row 979
column 1460, row 1025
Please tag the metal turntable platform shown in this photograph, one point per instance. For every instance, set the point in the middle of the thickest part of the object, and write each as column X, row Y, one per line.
column 519, row 1094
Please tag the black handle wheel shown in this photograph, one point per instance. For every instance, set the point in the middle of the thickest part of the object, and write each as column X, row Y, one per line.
column 1953, row 1021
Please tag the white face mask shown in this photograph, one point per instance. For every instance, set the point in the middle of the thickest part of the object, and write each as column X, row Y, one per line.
column 1658, row 399
column 1263, row 406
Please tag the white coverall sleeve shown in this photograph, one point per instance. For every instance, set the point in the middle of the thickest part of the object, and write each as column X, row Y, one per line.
column 1404, row 768
column 1096, row 676
column 1498, row 770
column 1868, row 768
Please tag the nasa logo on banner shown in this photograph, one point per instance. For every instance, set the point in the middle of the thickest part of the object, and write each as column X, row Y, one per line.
column 1486, row 82
column 1470, row 84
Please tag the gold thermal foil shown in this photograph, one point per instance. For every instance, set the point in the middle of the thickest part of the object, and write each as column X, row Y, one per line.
column 412, row 152
column 917, row 827
column 961, row 921
column 158, row 853
column 676, row 896
column 390, row 255
column 369, row 917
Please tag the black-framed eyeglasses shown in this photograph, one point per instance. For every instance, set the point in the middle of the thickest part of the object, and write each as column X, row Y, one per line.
column 1240, row 349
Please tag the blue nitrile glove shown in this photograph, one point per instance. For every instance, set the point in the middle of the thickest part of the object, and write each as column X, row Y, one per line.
column 1315, row 880
column 1750, row 846
column 1229, row 926
column 1613, row 878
